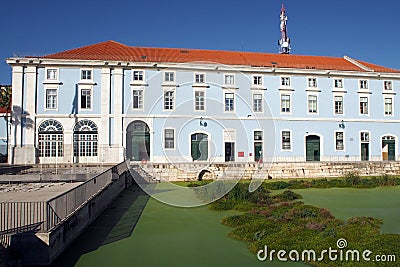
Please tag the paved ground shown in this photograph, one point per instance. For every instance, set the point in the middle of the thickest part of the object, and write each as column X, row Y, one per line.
column 33, row 191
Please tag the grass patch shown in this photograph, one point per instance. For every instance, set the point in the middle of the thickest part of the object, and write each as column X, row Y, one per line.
column 283, row 222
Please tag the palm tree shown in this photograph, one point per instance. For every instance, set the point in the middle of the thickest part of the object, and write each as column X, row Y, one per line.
column 5, row 102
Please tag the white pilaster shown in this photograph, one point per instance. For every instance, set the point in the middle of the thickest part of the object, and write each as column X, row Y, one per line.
column 30, row 106
column 118, row 91
column 105, row 107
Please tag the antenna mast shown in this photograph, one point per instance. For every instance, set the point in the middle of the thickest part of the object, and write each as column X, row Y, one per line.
column 284, row 42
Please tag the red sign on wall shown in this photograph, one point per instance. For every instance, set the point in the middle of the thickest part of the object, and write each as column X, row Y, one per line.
column 240, row 154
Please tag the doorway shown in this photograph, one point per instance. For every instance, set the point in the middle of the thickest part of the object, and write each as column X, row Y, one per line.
column 138, row 141
column 388, row 148
column 199, row 146
column 229, row 151
column 313, row 148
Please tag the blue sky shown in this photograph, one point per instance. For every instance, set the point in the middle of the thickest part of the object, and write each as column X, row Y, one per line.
column 366, row 30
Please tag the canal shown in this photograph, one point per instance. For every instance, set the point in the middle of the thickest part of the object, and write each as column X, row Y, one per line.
column 138, row 231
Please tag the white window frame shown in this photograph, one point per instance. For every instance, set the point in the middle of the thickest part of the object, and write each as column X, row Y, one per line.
column 141, row 107
column 57, row 71
column 290, row 103
column 341, row 82
column 384, row 106
column 204, row 100
column 334, row 104
column 80, row 98
column 312, row 82
column 168, row 73
column 174, row 139
column 91, row 75
column 316, row 104
column 366, row 84
column 142, row 81
column 173, row 100
column 281, row 79
column 368, row 105
column 335, row 141
column 45, row 98
column 195, row 78
column 261, row 105
column 384, row 85
column 225, row 79
column 260, row 80
column 233, row 100
column 290, row 141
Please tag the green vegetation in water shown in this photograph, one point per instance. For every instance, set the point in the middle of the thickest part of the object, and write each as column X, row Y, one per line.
column 282, row 222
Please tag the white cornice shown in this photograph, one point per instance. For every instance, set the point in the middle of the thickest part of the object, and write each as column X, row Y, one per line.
column 201, row 66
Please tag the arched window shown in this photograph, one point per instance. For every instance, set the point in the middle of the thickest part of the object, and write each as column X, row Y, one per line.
column 51, row 139
column 85, row 139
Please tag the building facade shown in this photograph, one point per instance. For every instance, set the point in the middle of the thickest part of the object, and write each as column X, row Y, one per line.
column 108, row 101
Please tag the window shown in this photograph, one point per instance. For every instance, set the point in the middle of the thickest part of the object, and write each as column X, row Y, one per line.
column 364, row 84
column 169, row 77
column 338, row 83
column 51, row 139
column 169, row 100
column 364, row 136
column 387, row 85
column 363, row 105
column 199, row 100
column 86, row 75
column 286, row 140
column 312, row 104
column 285, row 103
column 257, row 80
column 199, row 78
column 285, row 81
column 85, row 139
column 51, row 98
column 229, row 104
column 338, row 104
column 52, row 74
column 339, row 140
column 312, row 82
column 137, row 99
column 258, row 135
column 257, row 102
column 169, row 142
column 229, row 79
column 86, row 99
column 388, row 106
column 138, row 76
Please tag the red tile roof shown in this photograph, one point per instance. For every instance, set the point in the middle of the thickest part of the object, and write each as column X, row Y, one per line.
column 114, row 51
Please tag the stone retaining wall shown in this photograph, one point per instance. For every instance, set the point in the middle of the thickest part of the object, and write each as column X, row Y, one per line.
column 192, row 171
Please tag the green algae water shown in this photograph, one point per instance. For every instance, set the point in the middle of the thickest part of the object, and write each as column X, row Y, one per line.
column 171, row 236
column 344, row 203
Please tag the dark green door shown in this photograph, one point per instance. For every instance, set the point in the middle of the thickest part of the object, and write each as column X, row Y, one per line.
column 364, row 151
column 199, row 146
column 389, row 147
column 138, row 141
column 313, row 148
column 257, row 151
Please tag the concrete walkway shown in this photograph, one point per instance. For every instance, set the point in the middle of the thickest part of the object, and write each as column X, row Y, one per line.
column 33, row 191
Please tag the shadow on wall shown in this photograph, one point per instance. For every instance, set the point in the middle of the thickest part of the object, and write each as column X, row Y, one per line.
column 116, row 223
column 19, row 117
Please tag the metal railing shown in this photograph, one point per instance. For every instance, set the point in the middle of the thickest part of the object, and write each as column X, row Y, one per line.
column 18, row 217
column 68, row 202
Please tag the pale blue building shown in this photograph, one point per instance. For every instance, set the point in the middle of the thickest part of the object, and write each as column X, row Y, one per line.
column 105, row 102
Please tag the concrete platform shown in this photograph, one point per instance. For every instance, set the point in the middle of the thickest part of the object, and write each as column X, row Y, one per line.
column 22, row 192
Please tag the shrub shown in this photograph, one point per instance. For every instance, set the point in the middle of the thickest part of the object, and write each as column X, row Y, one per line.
column 352, row 178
